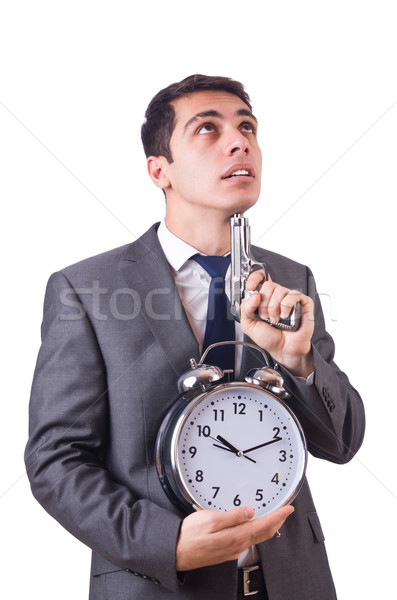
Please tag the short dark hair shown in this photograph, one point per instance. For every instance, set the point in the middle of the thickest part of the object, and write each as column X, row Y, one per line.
column 160, row 115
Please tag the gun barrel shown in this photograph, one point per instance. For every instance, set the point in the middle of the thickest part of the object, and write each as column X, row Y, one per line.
column 240, row 261
column 242, row 264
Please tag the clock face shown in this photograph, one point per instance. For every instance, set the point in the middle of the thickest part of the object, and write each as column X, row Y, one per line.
column 238, row 445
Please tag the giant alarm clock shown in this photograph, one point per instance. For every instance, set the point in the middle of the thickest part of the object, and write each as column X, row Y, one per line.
column 224, row 445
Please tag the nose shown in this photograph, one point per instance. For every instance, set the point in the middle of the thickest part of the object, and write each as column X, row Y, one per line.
column 237, row 143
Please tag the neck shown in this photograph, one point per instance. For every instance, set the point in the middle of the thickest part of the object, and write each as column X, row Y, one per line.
column 208, row 234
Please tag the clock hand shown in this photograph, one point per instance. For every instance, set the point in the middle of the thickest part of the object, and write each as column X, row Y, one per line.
column 232, row 451
column 222, row 447
column 277, row 439
column 228, row 444
column 232, row 448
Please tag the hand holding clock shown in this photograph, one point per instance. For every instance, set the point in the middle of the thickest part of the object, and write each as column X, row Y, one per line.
column 208, row 538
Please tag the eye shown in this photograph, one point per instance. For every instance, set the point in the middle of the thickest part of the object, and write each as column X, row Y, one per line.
column 248, row 127
column 206, row 128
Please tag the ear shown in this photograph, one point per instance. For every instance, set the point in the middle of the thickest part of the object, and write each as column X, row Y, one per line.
column 157, row 167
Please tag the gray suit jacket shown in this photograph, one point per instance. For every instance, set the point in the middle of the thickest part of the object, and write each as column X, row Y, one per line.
column 115, row 339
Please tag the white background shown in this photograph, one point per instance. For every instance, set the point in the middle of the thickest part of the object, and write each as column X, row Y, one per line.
column 75, row 79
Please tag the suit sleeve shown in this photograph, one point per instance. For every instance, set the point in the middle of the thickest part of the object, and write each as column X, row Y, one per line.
column 67, row 441
column 330, row 410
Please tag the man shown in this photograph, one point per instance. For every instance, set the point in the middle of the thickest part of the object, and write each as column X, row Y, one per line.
column 118, row 331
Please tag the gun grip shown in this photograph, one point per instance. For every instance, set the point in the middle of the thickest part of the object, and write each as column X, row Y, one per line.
column 291, row 323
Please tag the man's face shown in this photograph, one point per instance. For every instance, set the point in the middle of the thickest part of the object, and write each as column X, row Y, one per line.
column 217, row 161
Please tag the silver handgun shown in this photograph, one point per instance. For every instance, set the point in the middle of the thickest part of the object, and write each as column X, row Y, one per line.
column 242, row 265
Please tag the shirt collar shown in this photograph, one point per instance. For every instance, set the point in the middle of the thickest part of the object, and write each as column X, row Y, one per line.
column 176, row 251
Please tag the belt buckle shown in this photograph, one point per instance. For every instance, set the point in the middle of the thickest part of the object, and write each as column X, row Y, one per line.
column 247, row 581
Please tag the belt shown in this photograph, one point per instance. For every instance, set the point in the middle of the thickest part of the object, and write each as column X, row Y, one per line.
column 251, row 583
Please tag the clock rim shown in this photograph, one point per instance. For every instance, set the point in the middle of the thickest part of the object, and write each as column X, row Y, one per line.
column 188, row 409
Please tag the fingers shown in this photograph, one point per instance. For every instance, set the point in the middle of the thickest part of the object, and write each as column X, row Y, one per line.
column 205, row 537
column 235, row 539
column 273, row 301
column 276, row 301
column 208, row 538
column 255, row 279
column 232, row 518
column 242, row 515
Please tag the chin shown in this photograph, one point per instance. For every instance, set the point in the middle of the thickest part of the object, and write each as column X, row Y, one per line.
column 244, row 204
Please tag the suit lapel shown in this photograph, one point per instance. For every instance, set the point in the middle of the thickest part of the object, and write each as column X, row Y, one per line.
column 146, row 271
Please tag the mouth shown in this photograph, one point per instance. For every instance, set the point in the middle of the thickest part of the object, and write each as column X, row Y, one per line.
column 240, row 172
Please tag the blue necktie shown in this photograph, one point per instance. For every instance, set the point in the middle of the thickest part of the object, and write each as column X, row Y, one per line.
column 220, row 323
